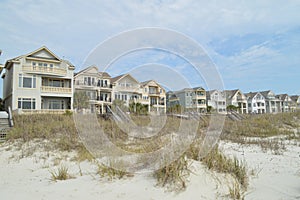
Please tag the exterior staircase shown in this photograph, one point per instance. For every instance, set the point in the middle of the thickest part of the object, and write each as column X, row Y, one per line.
column 6, row 123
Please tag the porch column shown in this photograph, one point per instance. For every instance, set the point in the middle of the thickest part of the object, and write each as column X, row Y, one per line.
column 102, row 108
column 157, row 107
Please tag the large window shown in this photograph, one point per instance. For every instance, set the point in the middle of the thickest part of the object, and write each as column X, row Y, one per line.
column 56, row 83
column 26, row 103
column 27, row 81
column 56, row 104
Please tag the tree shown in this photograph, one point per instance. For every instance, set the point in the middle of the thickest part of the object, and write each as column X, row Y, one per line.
column 81, row 100
column 232, row 108
column 209, row 109
column 119, row 103
column 138, row 108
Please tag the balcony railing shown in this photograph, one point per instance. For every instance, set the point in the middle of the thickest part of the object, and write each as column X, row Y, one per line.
column 58, row 90
column 141, row 101
column 45, row 111
column 86, row 83
column 107, row 99
column 154, row 93
column 45, row 70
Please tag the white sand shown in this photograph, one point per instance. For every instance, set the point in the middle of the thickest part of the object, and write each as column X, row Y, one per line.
column 276, row 176
column 29, row 177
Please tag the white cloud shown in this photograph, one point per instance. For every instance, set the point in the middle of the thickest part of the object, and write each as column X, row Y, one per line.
column 73, row 28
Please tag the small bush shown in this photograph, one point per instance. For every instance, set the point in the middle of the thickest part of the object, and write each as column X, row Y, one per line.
column 60, row 174
column 174, row 174
column 235, row 192
column 111, row 172
column 218, row 162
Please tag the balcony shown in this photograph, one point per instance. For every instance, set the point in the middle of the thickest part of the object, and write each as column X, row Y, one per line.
column 45, row 70
column 107, row 99
column 141, row 101
column 91, row 84
column 56, row 90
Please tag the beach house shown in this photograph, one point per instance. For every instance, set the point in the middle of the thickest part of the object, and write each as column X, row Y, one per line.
column 237, row 99
column 96, row 86
column 273, row 104
column 190, row 99
column 287, row 104
column 296, row 100
column 153, row 95
column 216, row 99
column 256, row 103
column 39, row 81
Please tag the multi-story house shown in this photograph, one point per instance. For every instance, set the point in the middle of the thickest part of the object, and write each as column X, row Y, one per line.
column 273, row 104
column 185, row 98
column 39, row 81
column 96, row 86
column 287, row 104
column 217, row 100
column 172, row 99
column 156, row 96
column 199, row 99
column 238, row 99
column 127, row 89
column 256, row 103
column 190, row 99
column 296, row 100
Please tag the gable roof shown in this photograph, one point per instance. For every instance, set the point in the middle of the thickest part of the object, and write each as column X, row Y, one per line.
column 266, row 93
column 101, row 74
column 117, row 78
column 199, row 88
column 295, row 98
column 231, row 93
column 43, row 48
column 86, row 69
column 144, row 83
column 282, row 96
column 31, row 55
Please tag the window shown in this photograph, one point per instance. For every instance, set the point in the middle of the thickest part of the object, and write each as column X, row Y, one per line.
column 56, row 83
column 56, row 104
column 51, row 65
column 45, row 64
column 26, row 103
column 27, row 81
column 40, row 64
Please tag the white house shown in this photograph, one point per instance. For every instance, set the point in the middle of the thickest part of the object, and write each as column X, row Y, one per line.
column 217, row 100
column 287, row 104
column 296, row 100
column 238, row 99
column 256, row 103
column 273, row 104
column 39, row 81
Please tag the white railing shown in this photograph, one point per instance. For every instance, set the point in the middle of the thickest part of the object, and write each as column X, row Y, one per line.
column 45, row 70
column 44, row 111
column 60, row 90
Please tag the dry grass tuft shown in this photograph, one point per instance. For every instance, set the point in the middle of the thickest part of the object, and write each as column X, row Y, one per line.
column 174, row 175
column 60, row 174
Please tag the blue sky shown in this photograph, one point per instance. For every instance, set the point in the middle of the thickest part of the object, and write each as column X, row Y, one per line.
column 254, row 44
